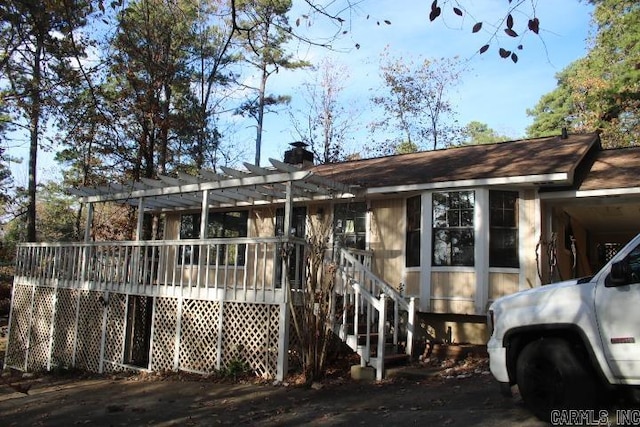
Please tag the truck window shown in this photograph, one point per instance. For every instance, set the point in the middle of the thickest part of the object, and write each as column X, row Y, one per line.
column 634, row 264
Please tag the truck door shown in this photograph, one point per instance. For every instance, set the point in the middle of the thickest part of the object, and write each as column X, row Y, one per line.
column 618, row 313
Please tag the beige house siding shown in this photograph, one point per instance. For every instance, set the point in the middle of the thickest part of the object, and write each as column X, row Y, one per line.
column 412, row 283
column 387, row 239
column 501, row 284
column 529, row 236
column 453, row 292
column 172, row 226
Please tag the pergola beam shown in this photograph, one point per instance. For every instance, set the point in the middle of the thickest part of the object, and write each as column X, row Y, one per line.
column 253, row 186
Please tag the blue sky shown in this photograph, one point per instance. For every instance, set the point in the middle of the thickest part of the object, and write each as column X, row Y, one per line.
column 496, row 91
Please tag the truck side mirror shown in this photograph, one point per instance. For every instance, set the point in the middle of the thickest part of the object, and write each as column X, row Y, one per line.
column 619, row 275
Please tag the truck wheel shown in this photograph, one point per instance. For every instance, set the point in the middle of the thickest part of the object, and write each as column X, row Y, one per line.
column 550, row 376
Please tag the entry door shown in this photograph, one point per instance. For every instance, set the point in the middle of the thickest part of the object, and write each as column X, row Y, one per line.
column 619, row 321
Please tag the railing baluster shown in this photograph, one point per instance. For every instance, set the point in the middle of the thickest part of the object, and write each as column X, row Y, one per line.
column 206, row 266
column 265, row 250
column 217, row 265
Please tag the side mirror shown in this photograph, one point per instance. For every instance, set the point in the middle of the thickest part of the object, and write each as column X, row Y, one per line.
column 619, row 275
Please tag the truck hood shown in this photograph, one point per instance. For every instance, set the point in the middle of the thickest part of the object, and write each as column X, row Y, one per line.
column 562, row 302
column 545, row 289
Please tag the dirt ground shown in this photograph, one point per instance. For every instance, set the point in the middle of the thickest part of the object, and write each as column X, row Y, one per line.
column 441, row 392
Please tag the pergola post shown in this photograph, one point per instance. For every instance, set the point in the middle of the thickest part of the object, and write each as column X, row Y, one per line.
column 136, row 273
column 285, row 311
column 89, row 223
column 204, row 222
column 140, row 222
column 288, row 207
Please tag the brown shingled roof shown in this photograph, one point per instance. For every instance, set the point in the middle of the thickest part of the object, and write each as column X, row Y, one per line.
column 614, row 168
column 541, row 156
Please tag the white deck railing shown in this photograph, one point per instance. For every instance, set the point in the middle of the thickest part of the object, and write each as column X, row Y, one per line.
column 246, row 269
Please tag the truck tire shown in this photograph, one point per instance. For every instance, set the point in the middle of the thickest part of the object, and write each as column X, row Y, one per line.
column 550, row 377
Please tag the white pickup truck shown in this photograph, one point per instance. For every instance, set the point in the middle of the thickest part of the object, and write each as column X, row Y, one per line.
column 566, row 343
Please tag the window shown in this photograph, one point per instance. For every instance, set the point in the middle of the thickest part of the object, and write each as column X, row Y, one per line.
column 453, row 235
column 634, row 265
column 503, row 229
column 350, row 225
column 189, row 229
column 412, row 249
column 298, row 221
column 219, row 224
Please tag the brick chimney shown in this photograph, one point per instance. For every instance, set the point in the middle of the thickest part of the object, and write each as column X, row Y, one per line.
column 299, row 156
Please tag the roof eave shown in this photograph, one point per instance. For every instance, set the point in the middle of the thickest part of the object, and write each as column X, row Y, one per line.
column 555, row 179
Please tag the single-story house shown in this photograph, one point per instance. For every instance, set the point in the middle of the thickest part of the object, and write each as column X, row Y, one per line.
column 439, row 234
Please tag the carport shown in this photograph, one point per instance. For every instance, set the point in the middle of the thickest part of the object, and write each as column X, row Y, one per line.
column 585, row 225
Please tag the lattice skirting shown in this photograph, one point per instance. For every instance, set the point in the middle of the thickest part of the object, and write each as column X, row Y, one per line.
column 103, row 332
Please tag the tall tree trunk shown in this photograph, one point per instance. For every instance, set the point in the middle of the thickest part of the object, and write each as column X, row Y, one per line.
column 261, row 97
column 165, row 123
column 34, row 130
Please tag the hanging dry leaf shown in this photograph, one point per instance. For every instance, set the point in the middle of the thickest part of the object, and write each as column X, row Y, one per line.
column 457, row 11
column 484, row 48
column 477, row 27
column 510, row 32
column 534, row 25
column 435, row 13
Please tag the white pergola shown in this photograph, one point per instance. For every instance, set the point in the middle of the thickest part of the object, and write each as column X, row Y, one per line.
column 280, row 184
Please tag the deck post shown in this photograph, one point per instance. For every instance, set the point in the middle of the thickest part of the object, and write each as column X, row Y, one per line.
column 103, row 335
column 52, row 327
column 31, row 309
column 410, row 326
column 382, row 321
column 283, row 341
column 176, row 347
column 220, row 327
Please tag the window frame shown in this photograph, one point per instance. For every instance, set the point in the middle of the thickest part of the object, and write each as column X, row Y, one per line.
column 452, row 218
column 504, row 224
column 357, row 213
column 413, row 232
